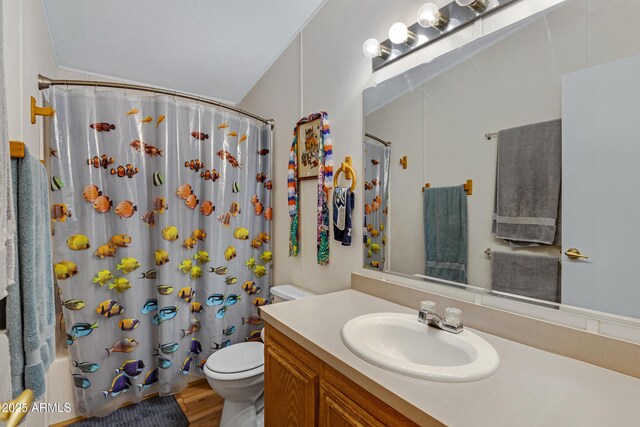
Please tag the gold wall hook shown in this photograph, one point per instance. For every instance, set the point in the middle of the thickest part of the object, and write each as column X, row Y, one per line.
column 40, row 111
column 20, row 406
column 573, row 253
column 403, row 162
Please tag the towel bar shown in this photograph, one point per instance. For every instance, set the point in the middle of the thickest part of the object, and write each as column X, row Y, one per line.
column 487, row 252
column 468, row 187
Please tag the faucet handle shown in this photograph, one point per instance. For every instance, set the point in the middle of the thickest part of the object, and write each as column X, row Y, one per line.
column 453, row 316
column 427, row 306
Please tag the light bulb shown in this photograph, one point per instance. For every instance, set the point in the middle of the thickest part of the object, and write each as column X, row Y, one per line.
column 371, row 48
column 430, row 16
column 398, row 33
column 477, row 5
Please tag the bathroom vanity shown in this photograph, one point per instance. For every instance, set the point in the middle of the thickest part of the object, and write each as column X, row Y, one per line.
column 311, row 378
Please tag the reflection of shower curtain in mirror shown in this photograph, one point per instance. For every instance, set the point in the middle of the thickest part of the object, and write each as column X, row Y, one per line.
column 376, row 158
column 161, row 244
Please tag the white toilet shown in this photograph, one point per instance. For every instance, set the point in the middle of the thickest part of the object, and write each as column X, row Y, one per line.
column 236, row 373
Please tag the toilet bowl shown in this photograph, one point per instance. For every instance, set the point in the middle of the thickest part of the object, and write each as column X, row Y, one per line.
column 236, row 373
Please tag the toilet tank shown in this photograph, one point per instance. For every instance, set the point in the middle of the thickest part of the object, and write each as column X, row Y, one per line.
column 283, row 293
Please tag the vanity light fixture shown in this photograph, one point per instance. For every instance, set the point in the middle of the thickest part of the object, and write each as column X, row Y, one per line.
column 478, row 6
column 429, row 15
column 373, row 49
column 433, row 24
column 399, row 33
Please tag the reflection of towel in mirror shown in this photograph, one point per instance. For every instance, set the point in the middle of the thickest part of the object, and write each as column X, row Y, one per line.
column 343, row 203
column 445, row 233
column 530, row 276
column 528, row 176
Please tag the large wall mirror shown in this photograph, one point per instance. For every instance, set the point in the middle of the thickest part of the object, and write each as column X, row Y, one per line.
column 542, row 121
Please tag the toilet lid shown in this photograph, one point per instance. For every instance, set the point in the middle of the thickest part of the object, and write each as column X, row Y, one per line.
column 237, row 358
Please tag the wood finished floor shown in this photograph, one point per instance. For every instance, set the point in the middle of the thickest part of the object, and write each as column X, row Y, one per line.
column 201, row 405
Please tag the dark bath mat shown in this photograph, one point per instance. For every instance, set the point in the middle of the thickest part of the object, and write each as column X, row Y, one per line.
column 157, row 411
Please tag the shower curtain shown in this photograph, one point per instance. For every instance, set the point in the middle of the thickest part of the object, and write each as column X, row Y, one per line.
column 376, row 195
column 162, row 252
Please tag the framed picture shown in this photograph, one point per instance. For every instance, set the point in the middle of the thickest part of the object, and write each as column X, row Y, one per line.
column 309, row 137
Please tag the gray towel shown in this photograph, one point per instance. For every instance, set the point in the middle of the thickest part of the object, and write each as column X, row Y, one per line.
column 445, row 233
column 30, row 301
column 531, row 276
column 528, row 177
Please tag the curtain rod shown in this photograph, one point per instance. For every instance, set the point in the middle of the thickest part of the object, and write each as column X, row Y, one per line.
column 380, row 140
column 46, row 82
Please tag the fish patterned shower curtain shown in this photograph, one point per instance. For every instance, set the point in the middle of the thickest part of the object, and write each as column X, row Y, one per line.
column 376, row 196
column 161, row 214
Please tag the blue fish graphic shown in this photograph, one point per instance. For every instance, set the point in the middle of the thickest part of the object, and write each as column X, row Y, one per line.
column 221, row 312
column 167, row 313
column 80, row 381
column 86, row 367
column 215, row 299
column 150, row 379
column 83, row 329
column 149, row 306
column 169, row 348
column 186, row 366
column 121, row 383
column 132, row 368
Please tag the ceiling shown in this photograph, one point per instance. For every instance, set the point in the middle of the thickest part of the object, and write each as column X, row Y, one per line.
column 213, row 48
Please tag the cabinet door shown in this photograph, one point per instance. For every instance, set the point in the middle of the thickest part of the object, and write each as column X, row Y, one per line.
column 337, row 410
column 290, row 390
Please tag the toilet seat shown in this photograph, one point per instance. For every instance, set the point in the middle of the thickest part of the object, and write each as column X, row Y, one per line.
column 238, row 361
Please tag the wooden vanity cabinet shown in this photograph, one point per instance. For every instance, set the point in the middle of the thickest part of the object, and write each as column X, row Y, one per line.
column 302, row 390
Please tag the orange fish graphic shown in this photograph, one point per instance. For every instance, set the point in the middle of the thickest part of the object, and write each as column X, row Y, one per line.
column 147, row 119
column 160, row 120
column 234, row 209
column 91, row 193
column 232, row 133
column 258, row 208
column 223, row 125
column 225, row 219
column 243, row 138
column 184, row 191
column 207, row 208
column 126, row 209
column 102, row 204
column 268, row 214
column 191, row 201
column 102, row 127
column 60, row 212
column 103, row 161
column 132, row 112
column 200, row 135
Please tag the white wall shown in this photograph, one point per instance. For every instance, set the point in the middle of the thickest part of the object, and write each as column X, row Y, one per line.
column 323, row 69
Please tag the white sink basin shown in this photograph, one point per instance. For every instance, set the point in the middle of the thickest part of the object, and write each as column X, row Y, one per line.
column 400, row 343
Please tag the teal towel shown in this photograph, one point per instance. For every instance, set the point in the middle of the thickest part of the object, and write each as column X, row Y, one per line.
column 445, row 233
column 30, row 301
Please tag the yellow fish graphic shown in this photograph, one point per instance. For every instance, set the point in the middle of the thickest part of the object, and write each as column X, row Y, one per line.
column 160, row 120
column 132, row 112
column 147, row 119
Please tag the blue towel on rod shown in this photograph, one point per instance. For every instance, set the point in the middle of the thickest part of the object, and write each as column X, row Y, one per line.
column 445, row 233
column 30, row 301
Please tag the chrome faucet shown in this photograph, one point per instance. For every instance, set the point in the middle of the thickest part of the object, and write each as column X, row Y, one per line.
column 450, row 322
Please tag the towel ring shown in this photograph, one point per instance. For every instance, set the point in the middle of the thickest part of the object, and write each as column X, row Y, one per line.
column 344, row 167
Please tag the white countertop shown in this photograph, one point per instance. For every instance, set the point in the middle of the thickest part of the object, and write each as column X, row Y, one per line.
column 531, row 388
